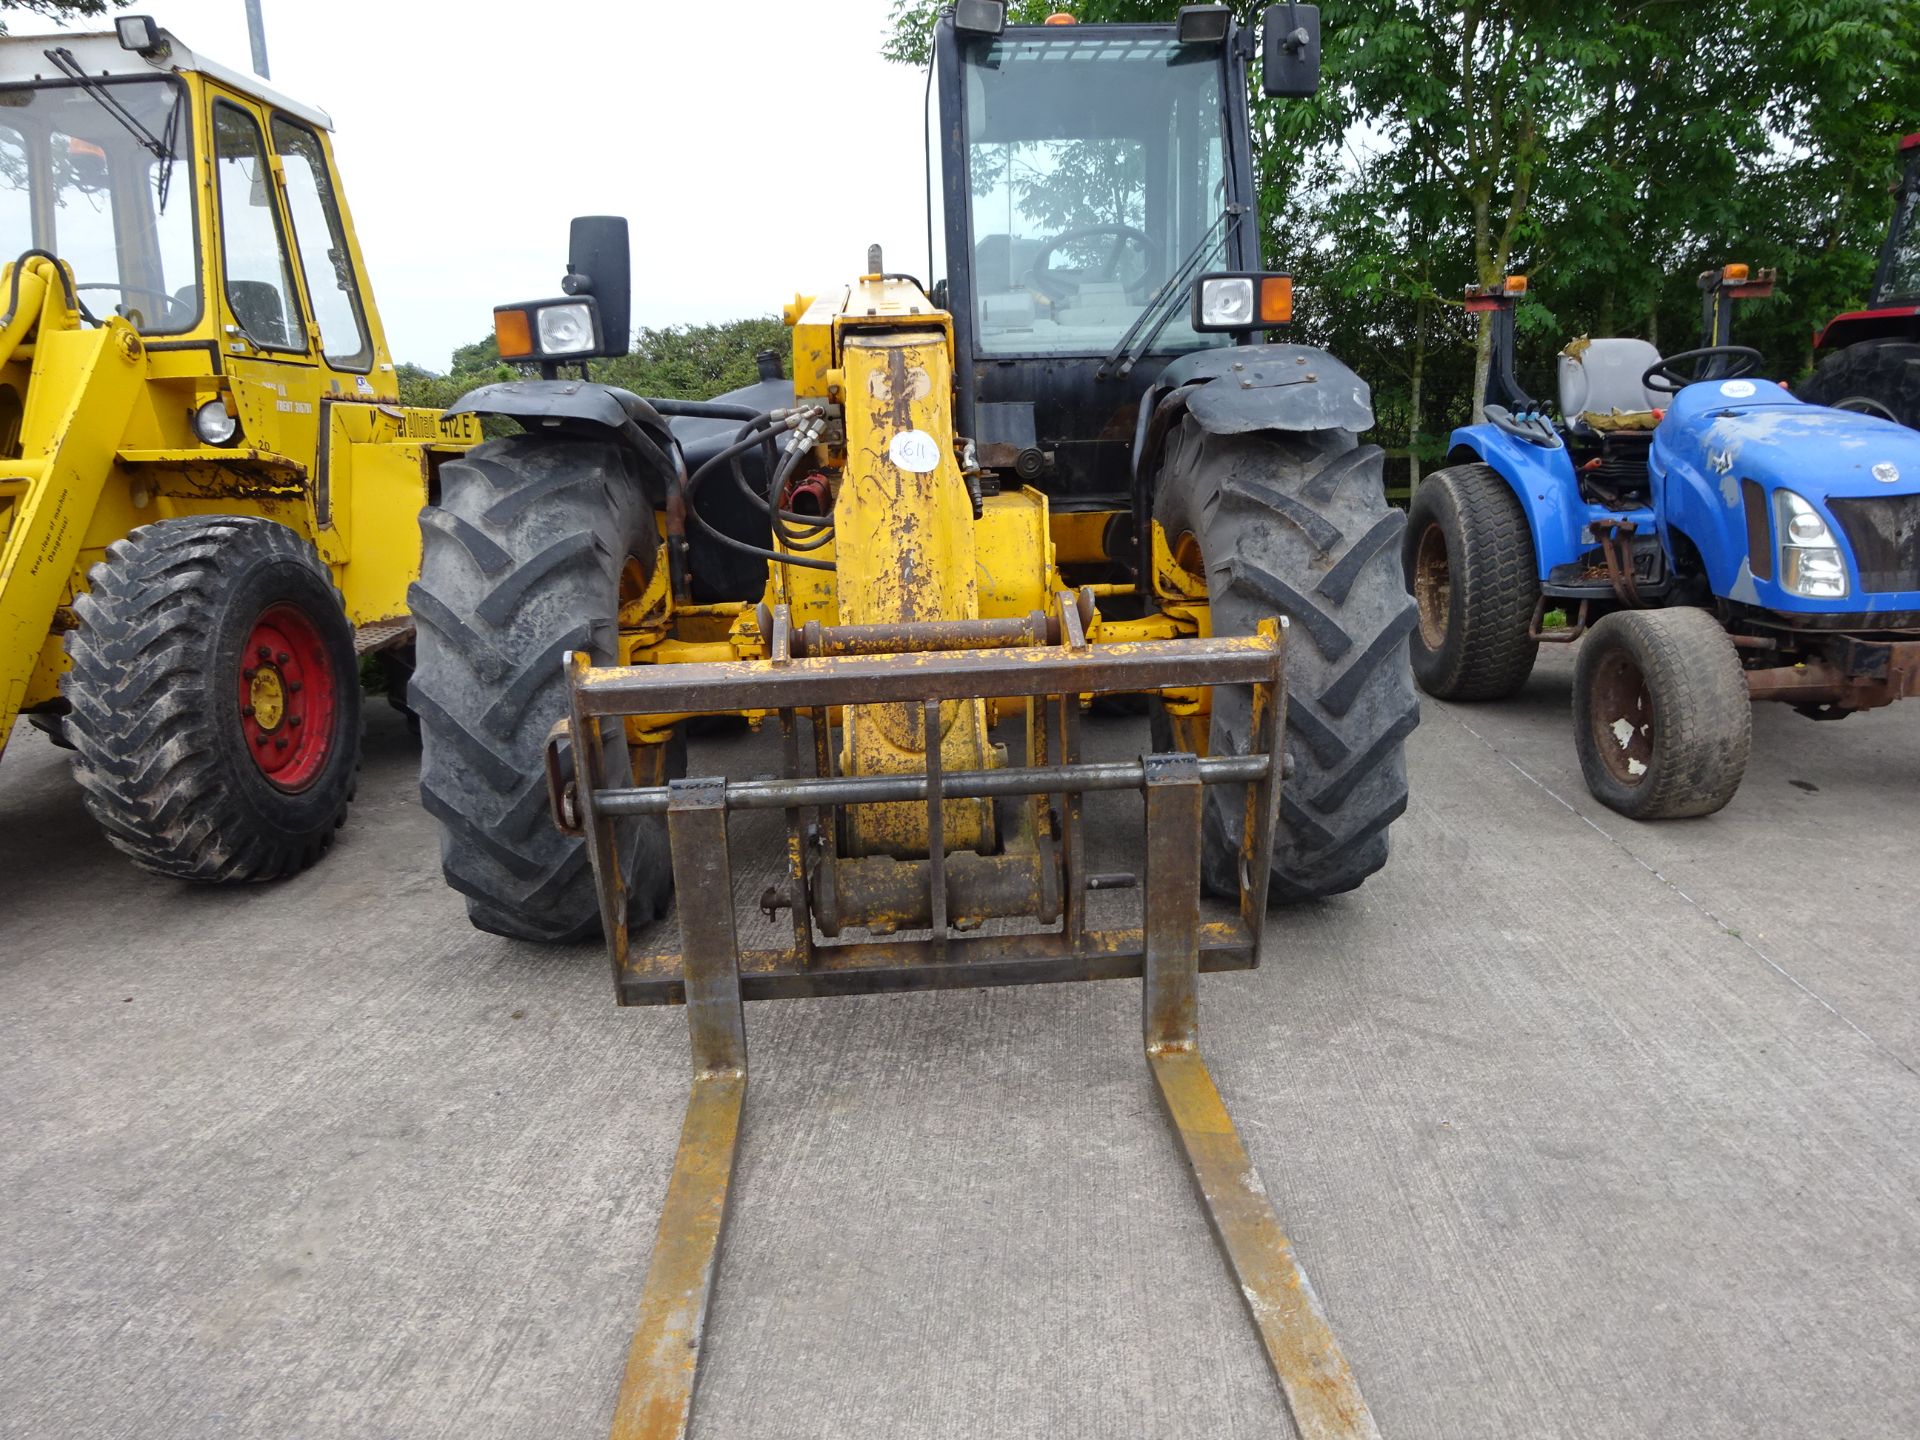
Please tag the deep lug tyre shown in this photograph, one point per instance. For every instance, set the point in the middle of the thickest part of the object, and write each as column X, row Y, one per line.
column 215, row 699
column 1879, row 377
column 1662, row 718
column 534, row 544
column 1297, row 525
column 1469, row 562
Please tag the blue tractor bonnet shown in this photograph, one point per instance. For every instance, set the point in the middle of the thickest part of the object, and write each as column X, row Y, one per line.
column 1726, row 447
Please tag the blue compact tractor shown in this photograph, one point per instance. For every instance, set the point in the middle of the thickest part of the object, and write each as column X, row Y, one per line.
column 1713, row 538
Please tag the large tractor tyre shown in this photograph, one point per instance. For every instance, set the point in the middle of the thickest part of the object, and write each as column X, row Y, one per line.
column 1468, row 558
column 215, row 699
column 534, row 546
column 1879, row 377
column 1662, row 718
column 1297, row 525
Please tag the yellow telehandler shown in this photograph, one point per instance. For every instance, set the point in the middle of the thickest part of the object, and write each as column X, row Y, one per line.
column 208, row 488
column 1065, row 464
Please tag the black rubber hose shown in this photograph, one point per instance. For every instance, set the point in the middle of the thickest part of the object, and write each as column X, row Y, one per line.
column 705, row 410
column 740, row 447
column 818, row 534
column 759, row 501
column 74, row 302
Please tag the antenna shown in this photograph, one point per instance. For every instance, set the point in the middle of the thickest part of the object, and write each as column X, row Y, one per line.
column 257, row 37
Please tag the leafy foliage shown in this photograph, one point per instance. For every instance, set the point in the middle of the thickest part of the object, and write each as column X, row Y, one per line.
column 60, row 9
column 685, row 362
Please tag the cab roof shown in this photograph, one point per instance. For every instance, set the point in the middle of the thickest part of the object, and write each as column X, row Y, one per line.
column 23, row 60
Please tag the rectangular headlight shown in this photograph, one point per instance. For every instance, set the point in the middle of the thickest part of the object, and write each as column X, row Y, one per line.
column 1224, row 302
column 1248, row 301
column 569, row 328
column 980, row 17
column 1203, row 24
column 548, row 330
column 137, row 33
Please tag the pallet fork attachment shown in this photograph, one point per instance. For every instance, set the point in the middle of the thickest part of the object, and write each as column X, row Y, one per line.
column 1168, row 948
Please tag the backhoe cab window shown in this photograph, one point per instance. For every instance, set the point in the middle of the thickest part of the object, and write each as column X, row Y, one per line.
column 114, row 202
column 259, row 279
column 322, row 241
column 1096, row 167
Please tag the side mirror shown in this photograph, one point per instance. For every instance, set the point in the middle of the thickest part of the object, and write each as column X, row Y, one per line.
column 598, row 264
column 1290, row 51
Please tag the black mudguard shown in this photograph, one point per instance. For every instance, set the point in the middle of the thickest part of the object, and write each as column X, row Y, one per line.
column 665, row 446
column 1269, row 387
column 1235, row 391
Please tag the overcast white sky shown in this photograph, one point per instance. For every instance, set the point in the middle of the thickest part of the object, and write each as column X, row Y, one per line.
column 470, row 131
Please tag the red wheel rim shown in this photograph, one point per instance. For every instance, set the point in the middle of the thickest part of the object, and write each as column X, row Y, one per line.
column 286, row 697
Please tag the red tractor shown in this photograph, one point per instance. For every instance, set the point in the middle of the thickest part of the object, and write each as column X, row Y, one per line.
column 1870, row 359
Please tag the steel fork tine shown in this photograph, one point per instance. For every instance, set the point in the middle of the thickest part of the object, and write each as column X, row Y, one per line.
column 1320, row 1390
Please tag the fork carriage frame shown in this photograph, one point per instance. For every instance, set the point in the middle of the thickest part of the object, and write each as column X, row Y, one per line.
column 1168, row 948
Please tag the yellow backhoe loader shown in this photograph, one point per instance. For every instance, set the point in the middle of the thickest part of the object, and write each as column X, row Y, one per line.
column 208, row 488
column 1066, row 464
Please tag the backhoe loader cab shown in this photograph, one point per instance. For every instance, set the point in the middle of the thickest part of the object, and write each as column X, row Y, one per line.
column 208, row 490
column 1063, row 466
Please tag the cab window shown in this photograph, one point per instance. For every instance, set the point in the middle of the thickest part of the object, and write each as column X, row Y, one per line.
column 105, row 184
column 259, row 278
column 321, row 239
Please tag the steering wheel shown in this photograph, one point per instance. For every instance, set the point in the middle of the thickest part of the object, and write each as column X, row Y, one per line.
column 166, row 300
column 1057, row 287
column 1668, row 378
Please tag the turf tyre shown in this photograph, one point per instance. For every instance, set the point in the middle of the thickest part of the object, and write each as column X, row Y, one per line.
column 522, row 562
column 1663, row 693
column 154, row 689
column 1297, row 524
column 1469, row 564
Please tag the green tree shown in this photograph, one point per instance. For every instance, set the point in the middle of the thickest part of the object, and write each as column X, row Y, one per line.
column 60, row 9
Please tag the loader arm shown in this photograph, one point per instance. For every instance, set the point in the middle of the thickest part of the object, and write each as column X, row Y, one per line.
column 84, row 386
column 905, row 553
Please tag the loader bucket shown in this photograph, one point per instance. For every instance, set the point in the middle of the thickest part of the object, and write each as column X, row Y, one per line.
column 1040, row 871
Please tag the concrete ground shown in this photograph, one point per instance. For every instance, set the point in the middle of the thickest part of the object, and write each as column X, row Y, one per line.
column 1583, row 1128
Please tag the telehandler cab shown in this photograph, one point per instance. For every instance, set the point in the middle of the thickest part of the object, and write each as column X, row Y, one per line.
column 1064, row 465
column 208, row 489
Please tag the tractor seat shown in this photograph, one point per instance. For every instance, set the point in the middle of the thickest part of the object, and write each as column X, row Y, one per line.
column 1098, row 302
column 1600, row 387
column 1000, row 263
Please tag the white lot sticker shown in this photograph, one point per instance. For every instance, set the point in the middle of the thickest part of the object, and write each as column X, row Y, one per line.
column 915, row 451
column 1737, row 389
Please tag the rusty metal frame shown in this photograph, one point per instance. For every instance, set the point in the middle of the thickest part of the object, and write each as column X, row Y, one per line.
column 1169, row 947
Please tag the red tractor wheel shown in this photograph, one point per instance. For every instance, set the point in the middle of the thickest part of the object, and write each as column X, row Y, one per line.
column 215, row 699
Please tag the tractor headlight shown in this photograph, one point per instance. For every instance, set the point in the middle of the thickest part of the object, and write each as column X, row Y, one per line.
column 566, row 329
column 1227, row 302
column 1810, row 562
column 1242, row 302
column 215, row 424
column 980, row 17
column 548, row 330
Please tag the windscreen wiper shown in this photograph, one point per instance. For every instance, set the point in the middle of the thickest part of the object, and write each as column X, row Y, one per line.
column 161, row 147
column 1175, row 282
